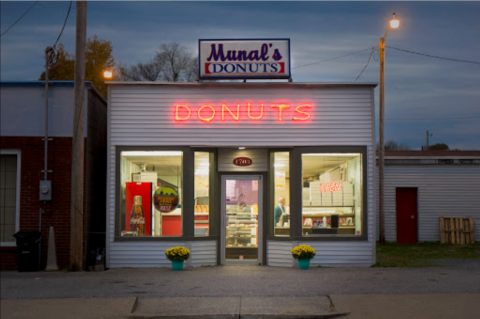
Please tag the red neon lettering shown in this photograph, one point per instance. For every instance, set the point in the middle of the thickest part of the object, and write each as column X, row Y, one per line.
column 226, row 107
column 302, row 112
column 177, row 117
column 280, row 108
column 253, row 117
column 331, row 187
column 206, row 119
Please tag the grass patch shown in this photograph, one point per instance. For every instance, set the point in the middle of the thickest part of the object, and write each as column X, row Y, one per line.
column 418, row 255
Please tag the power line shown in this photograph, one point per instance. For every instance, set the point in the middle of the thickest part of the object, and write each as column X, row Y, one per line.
column 372, row 53
column 437, row 119
column 434, row 56
column 64, row 23
column 19, row 18
column 338, row 57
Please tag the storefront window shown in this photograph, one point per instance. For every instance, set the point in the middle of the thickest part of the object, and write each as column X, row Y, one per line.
column 281, row 211
column 332, row 194
column 202, row 200
column 151, row 193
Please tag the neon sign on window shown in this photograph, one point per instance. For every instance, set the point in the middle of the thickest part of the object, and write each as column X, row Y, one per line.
column 208, row 113
column 330, row 187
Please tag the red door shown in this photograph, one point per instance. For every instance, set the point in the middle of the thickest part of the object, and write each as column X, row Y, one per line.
column 407, row 217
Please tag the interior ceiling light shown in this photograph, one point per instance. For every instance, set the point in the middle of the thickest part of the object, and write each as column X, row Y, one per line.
column 333, row 154
column 242, row 148
column 151, row 153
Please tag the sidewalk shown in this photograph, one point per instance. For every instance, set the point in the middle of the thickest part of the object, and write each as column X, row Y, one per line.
column 424, row 306
column 243, row 292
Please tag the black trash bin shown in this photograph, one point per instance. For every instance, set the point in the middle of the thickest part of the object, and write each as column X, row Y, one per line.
column 28, row 245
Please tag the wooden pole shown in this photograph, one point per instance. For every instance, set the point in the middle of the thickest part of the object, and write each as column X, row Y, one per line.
column 381, row 147
column 76, row 205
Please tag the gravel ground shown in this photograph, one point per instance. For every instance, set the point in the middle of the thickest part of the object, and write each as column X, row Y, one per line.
column 246, row 281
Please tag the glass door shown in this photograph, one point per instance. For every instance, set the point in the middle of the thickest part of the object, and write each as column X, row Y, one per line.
column 241, row 219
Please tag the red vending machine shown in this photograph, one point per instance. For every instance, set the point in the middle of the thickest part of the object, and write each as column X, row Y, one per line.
column 145, row 191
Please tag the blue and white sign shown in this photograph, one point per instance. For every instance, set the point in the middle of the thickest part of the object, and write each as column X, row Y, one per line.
column 244, row 59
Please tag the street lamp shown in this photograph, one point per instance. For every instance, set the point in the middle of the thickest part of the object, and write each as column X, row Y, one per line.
column 394, row 23
column 108, row 74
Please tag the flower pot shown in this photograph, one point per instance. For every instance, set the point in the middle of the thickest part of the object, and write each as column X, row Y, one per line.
column 304, row 263
column 177, row 265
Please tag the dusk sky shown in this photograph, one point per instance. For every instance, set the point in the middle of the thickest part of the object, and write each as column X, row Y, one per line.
column 421, row 93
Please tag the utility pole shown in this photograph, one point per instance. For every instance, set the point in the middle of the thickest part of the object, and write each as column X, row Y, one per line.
column 381, row 145
column 78, row 163
column 427, row 141
column 394, row 23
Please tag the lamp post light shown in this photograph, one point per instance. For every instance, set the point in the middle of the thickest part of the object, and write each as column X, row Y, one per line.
column 108, row 74
column 394, row 23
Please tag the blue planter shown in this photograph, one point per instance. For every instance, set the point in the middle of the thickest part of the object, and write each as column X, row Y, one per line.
column 177, row 265
column 304, row 263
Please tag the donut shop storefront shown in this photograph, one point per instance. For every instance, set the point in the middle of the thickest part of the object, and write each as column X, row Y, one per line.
column 240, row 172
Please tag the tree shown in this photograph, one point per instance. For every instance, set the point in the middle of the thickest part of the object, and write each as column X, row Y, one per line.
column 63, row 68
column 171, row 63
column 438, row 147
column 98, row 58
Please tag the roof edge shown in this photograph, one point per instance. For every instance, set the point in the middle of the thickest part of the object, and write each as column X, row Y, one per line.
column 374, row 84
column 42, row 83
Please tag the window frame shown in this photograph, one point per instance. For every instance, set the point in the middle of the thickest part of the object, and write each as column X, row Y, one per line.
column 18, row 153
column 187, row 192
column 296, row 185
column 271, row 191
column 213, row 189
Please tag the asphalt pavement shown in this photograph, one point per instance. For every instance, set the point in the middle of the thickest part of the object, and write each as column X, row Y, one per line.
column 238, row 281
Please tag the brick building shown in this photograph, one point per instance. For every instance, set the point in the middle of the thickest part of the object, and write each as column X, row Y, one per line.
column 22, row 133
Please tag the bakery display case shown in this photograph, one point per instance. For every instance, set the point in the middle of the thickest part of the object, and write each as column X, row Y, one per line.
column 241, row 232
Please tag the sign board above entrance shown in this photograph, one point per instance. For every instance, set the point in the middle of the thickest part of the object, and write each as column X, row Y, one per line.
column 244, row 59
column 242, row 161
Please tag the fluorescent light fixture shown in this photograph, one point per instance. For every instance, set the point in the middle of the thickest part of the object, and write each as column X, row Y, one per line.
column 242, row 148
column 205, row 164
column 332, row 154
column 151, row 153
column 278, row 165
column 202, row 172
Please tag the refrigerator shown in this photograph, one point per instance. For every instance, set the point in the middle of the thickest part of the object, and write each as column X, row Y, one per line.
column 144, row 190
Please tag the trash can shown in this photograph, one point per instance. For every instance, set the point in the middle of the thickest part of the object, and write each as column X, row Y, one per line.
column 28, row 245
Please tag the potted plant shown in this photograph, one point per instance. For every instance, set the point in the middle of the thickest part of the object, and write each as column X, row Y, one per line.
column 303, row 254
column 177, row 255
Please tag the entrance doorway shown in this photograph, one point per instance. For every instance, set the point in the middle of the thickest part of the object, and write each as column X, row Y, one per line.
column 407, row 219
column 241, row 219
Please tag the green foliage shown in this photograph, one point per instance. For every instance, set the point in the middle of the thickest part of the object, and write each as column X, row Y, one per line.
column 98, row 58
column 422, row 254
column 438, row 147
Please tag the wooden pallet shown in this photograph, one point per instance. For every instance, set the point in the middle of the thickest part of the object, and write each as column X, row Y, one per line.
column 456, row 230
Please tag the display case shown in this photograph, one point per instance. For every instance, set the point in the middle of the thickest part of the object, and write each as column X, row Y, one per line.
column 328, row 220
column 242, row 232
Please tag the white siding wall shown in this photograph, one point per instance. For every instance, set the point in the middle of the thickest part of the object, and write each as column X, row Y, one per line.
column 143, row 114
column 443, row 190
column 328, row 254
